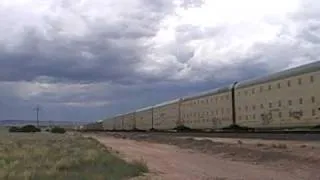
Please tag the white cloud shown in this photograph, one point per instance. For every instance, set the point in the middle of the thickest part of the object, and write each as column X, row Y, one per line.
column 87, row 104
column 219, row 34
column 121, row 50
column 228, row 12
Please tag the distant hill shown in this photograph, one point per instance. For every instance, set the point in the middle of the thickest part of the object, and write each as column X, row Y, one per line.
column 41, row 123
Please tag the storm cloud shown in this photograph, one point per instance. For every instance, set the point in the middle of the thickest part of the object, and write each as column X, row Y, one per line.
column 86, row 60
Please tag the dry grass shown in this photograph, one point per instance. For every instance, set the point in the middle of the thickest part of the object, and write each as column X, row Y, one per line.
column 303, row 146
column 50, row 156
column 260, row 145
column 279, row 146
column 240, row 142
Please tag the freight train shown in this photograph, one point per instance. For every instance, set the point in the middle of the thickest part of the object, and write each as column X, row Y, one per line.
column 286, row 99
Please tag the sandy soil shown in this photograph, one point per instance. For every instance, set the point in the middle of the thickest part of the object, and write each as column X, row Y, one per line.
column 256, row 141
column 170, row 162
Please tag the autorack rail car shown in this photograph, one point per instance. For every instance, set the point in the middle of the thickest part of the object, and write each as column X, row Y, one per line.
column 286, row 99
column 209, row 110
column 94, row 126
column 108, row 124
column 129, row 121
column 282, row 100
column 144, row 119
column 166, row 115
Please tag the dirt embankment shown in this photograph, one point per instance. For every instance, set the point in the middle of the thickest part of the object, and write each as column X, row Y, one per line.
column 208, row 159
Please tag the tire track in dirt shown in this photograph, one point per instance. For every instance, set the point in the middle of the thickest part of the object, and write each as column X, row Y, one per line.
column 172, row 163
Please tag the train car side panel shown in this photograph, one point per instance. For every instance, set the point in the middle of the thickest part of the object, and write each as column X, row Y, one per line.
column 94, row 126
column 209, row 111
column 129, row 121
column 166, row 115
column 143, row 119
column 107, row 124
column 292, row 101
column 118, row 122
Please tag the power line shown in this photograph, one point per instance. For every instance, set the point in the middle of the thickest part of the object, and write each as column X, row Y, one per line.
column 37, row 111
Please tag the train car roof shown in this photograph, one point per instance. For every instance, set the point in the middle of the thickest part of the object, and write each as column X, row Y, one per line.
column 120, row 115
column 208, row 93
column 108, row 119
column 306, row 68
column 128, row 113
column 167, row 103
column 144, row 109
column 113, row 117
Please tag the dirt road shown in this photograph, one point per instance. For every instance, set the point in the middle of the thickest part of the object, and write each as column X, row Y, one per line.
column 170, row 162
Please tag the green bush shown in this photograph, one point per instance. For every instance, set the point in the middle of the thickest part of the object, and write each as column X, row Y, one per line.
column 58, row 130
column 29, row 128
column 26, row 129
column 14, row 129
column 316, row 127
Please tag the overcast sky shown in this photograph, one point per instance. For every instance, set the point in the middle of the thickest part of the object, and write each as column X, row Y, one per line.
column 84, row 60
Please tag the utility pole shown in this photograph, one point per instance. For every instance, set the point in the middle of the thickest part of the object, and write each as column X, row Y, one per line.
column 50, row 124
column 37, row 111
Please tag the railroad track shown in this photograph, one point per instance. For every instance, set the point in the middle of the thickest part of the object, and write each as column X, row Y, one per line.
column 275, row 135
